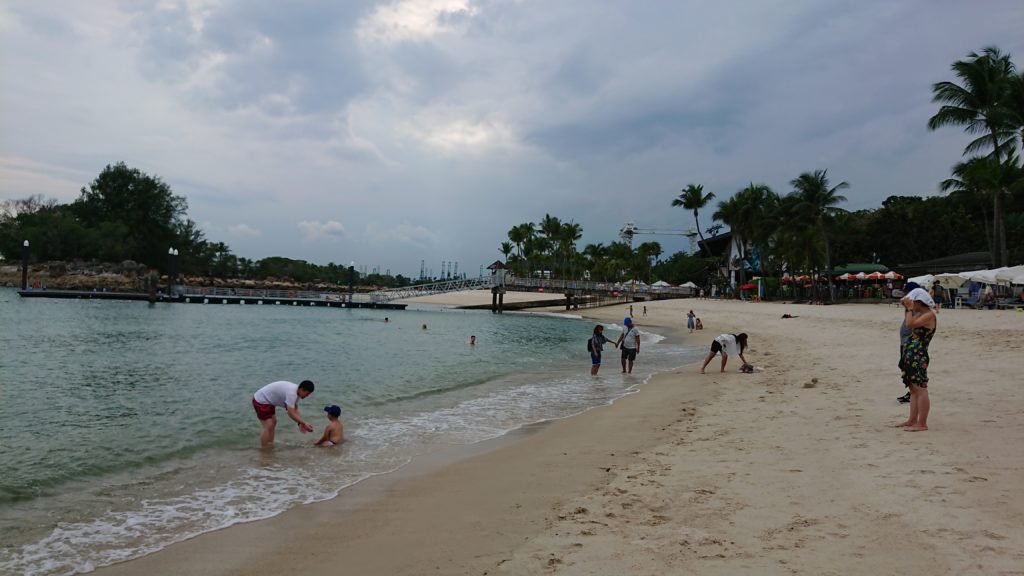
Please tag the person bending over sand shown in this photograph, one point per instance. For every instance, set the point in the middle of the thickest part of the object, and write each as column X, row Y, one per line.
column 726, row 344
column 286, row 395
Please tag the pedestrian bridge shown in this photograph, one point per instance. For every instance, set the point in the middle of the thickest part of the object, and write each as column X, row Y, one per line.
column 428, row 289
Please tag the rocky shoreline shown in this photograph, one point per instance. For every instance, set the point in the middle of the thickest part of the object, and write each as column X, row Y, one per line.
column 130, row 276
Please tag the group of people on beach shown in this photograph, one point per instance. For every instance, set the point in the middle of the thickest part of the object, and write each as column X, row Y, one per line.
column 628, row 342
column 285, row 394
column 919, row 324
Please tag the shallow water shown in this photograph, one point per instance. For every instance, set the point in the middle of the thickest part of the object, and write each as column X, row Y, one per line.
column 126, row 426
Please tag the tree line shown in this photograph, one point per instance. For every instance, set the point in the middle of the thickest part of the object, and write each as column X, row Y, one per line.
column 806, row 230
column 126, row 214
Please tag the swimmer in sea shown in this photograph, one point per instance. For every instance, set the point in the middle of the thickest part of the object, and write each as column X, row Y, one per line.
column 334, row 434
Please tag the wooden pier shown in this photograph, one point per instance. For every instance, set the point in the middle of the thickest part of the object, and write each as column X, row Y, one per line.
column 218, row 296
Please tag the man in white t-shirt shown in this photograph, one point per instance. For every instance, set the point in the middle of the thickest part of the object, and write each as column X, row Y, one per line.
column 629, row 344
column 286, row 395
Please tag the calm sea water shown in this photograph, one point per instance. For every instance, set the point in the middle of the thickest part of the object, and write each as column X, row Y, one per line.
column 126, row 426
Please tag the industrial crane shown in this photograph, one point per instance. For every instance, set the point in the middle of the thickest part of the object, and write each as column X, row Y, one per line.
column 629, row 229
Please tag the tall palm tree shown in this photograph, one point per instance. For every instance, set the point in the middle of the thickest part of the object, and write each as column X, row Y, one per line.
column 694, row 198
column 983, row 104
column 506, row 249
column 520, row 235
column 816, row 202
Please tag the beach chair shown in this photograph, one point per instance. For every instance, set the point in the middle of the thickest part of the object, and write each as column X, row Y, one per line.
column 972, row 302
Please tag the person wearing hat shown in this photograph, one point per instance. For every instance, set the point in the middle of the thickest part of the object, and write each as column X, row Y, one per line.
column 629, row 343
column 334, row 434
column 905, row 334
column 922, row 322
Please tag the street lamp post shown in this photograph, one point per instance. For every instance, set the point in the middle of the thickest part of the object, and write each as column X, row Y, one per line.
column 24, row 266
column 170, row 271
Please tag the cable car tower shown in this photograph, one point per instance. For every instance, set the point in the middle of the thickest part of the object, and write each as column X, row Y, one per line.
column 629, row 230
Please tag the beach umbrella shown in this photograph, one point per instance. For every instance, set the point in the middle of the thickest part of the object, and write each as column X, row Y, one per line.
column 876, row 276
column 893, row 276
column 949, row 281
column 925, row 280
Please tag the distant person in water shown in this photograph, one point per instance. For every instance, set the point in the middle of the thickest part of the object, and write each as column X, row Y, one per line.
column 334, row 434
column 594, row 346
column 726, row 344
column 424, row 327
column 286, row 395
column 386, row 320
column 472, row 340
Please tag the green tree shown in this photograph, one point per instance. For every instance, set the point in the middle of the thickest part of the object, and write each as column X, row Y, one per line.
column 983, row 104
column 816, row 204
column 693, row 198
column 145, row 209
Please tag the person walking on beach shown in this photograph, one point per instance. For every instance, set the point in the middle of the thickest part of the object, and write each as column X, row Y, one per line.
column 286, row 395
column 334, row 433
column 691, row 320
column 594, row 346
column 629, row 344
column 920, row 318
column 726, row 344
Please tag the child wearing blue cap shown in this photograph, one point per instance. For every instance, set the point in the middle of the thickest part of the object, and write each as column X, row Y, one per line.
column 334, row 434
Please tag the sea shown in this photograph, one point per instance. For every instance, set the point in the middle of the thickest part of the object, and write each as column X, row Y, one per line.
column 128, row 426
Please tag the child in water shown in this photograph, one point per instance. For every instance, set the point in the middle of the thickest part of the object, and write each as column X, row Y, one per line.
column 334, row 434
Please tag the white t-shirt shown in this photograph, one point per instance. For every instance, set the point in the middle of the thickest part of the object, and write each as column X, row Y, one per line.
column 728, row 342
column 281, row 393
column 629, row 337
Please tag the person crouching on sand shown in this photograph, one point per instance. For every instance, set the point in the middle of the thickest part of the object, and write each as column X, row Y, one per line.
column 726, row 344
column 334, row 434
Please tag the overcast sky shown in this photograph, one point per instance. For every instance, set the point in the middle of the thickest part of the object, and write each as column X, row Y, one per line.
column 390, row 133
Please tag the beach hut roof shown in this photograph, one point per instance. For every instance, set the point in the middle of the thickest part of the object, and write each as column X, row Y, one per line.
column 498, row 265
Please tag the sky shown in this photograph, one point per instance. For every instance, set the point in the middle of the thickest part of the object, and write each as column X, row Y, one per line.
column 402, row 135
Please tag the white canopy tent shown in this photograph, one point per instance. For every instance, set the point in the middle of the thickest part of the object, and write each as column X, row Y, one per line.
column 688, row 285
column 924, row 281
column 1009, row 274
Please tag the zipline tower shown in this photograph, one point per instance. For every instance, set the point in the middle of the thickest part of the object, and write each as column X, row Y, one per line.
column 629, row 230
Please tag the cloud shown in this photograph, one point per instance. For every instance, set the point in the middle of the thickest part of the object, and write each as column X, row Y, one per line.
column 315, row 231
column 244, row 230
column 402, row 234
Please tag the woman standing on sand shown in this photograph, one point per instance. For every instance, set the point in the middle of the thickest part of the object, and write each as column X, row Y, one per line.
column 690, row 317
column 921, row 320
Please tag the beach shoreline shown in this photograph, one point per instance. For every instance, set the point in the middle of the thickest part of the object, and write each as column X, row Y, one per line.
column 792, row 470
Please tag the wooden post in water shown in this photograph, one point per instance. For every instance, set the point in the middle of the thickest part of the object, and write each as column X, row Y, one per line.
column 351, row 282
column 494, row 300
column 24, row 266
column 568, row 300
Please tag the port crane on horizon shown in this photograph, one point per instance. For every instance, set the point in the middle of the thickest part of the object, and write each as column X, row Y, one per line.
column 630, row 229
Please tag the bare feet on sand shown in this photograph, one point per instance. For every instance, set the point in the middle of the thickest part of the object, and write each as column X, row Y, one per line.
column 903, row 424
column 915, row 428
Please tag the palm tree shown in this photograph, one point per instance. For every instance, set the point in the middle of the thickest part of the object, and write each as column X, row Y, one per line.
column 520, row 235
column 816, row 202
column 983, row 104
column 694, row 198
column 506, row 250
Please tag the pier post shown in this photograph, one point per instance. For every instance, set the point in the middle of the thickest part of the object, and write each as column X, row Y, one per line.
column 24, row 265
column 351, row 282
column 568, row 300
column 501, row 302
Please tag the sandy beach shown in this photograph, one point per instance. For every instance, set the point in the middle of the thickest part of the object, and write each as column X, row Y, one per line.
column 793, row 470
